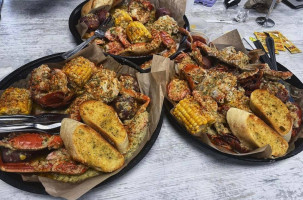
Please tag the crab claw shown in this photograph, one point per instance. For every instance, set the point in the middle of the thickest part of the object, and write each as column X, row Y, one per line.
column 32, row 141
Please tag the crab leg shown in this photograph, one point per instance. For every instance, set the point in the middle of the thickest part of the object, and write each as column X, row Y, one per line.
column 32, row 141
column 196, row 53
column 169, row 43
column 57, row 161
column 273, row 74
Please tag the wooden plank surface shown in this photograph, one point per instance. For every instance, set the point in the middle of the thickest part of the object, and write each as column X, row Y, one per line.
column 174, row 168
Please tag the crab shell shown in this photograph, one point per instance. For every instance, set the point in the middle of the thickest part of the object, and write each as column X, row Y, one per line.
column 32, row 141
column 57, row 161
column 54, row 99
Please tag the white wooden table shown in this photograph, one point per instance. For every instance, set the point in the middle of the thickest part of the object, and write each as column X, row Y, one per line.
column 173, row 169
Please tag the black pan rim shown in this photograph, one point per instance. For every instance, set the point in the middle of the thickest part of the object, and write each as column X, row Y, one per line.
column 73, row 20
column 190, row 138
column 15, row 179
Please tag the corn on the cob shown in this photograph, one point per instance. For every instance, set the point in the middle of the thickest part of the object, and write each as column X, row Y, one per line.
column 122, row 18
column 79, row 70
column 15, row 101
column 137, row 32
column 190, row 113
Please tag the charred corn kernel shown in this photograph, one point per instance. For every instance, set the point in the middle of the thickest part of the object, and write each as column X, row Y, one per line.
column 191, row 114
column 137, row 32
column 122, row 18
column 22, row 157
column 15, row 101
column 79, row 70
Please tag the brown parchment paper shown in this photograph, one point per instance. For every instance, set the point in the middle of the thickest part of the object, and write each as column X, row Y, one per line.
column 177, row 8
column 233, row 38
column 150, row 84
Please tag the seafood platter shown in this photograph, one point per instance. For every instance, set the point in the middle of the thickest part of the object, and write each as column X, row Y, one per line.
column 139, row 29
column 106, row 129
column 229, row 102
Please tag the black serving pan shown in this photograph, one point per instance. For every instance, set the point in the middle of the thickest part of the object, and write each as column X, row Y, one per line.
column 194, row 140
column 15, row 179
column 75, row 16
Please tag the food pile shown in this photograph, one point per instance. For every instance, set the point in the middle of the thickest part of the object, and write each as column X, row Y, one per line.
column 237, row 102
column 108, row 121
column 139, row 28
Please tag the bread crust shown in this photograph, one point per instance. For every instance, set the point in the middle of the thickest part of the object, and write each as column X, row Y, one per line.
column 272, row 110
column 254, row 133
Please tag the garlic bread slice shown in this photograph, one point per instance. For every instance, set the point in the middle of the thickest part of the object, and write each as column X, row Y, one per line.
column 254, row 133
column 105, row 120
column 87, row 146
column 272, row 110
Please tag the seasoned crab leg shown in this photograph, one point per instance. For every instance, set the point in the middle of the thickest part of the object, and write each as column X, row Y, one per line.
column 277, row 75
column 32, row 141
column 269, row 73
column 169, row 43
column 57, row 161
column 115, row 33
column 197, row 54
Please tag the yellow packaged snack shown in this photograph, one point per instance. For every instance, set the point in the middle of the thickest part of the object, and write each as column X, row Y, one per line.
column 289, row 45
column 279, row 44
column 262, row 37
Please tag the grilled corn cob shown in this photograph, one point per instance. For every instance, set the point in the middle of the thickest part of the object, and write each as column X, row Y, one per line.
column 122, row 18
column 15, row 101
column 190, row 113
column 79, row 70
column 137, row 32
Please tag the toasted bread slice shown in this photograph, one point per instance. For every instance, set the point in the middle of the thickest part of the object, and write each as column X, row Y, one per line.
column 105, row 120
column 272, row 110
column 254, row 133
column 87, row 146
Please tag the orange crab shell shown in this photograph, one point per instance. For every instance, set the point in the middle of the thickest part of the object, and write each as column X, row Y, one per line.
column 57, row 161
column 54, row 99
column 32, row 141
column 49, row 87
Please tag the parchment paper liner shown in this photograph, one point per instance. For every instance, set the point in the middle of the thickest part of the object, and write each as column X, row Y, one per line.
column 233, row 38
column 177, row 8
column 150, row 84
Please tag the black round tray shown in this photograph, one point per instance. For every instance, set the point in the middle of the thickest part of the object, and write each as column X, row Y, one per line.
column 75, row 16
column 15, row 179
column 192, row 139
